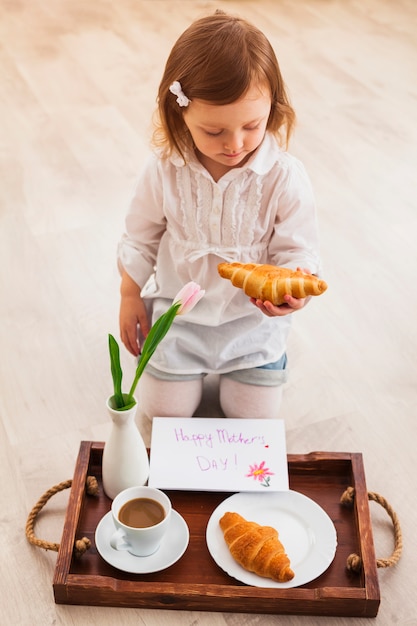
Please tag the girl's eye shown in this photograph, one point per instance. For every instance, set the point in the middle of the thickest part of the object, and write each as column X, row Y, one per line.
column 219, row 132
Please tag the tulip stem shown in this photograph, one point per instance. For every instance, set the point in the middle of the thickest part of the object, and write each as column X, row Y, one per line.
column 155, row 336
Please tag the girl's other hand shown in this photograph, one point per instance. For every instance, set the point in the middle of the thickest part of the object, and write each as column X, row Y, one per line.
column 291, row 304
column 271, row 310
column 132, row 319
column 132, row 316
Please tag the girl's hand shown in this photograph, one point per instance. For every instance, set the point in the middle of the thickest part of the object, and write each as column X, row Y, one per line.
column 132, row 317
column 269, row 309
column 291, row 304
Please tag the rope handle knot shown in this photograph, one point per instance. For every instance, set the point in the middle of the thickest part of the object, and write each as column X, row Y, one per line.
column 354, row 561
column 81, row 545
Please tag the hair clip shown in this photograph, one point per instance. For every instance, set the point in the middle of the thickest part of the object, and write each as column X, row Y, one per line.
column 176, row 89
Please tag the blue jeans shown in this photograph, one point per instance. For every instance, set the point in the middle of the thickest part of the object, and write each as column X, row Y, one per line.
column 269, row 375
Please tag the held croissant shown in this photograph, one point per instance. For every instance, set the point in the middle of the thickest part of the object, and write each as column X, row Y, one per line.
column 268, row 282
column 256, row 548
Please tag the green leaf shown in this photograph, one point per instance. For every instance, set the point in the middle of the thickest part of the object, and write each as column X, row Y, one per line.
column 155, row 336
column 116, row 371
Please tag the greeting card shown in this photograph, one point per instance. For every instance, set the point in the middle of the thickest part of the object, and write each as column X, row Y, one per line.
column 215, row 454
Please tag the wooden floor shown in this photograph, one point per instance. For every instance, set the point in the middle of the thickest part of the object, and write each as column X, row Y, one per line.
column 78, row 83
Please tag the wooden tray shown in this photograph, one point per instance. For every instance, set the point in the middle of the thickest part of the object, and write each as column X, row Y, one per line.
column 196, row 582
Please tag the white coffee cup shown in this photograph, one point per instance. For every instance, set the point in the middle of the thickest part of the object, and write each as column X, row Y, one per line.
column 144, row 540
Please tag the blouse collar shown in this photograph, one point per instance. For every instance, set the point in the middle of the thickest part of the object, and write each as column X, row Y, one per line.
column 261, row 161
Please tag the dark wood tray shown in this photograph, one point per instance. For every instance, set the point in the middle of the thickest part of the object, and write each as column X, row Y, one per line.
column 196, row 582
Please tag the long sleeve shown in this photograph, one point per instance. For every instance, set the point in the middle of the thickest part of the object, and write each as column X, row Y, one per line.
column 145, row 225
column 295, row 239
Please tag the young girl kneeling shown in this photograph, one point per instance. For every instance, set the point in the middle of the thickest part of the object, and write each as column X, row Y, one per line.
column 220, row 186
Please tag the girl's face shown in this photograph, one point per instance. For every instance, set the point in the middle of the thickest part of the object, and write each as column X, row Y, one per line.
column 225, row 136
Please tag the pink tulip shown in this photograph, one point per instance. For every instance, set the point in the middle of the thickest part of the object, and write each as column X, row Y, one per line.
column 188, row 296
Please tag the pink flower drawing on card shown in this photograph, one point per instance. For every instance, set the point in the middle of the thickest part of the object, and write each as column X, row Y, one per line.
column 261, row 473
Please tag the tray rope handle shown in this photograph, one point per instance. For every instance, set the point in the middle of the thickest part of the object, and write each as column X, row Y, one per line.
column 80, row 545
column 354, row 561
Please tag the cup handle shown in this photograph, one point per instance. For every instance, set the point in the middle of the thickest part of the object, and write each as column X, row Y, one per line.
column 116, row 540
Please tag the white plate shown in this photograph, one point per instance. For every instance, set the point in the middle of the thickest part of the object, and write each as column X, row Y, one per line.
column 172, row 548
column 306, row 531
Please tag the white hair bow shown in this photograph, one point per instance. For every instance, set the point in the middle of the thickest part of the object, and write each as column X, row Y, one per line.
column 176, row 89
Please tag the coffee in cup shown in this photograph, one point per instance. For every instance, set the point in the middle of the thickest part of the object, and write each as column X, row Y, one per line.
column 141, row 516
column 141, row 513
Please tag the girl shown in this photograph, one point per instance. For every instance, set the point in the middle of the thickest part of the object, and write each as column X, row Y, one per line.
column 219, row 187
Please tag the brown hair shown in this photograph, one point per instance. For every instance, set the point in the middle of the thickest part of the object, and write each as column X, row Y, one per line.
column 217, row 59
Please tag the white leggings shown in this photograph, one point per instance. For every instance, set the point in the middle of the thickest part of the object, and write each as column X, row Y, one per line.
column 181, row 398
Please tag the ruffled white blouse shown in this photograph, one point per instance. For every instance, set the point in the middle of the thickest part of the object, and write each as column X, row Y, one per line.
column 181, row 224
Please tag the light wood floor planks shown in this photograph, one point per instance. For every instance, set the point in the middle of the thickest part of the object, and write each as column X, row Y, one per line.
column 78, row 84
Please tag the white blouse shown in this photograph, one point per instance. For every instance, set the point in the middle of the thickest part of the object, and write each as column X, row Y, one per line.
column 181, row 224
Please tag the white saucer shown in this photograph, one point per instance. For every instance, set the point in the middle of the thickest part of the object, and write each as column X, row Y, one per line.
column 171, row 549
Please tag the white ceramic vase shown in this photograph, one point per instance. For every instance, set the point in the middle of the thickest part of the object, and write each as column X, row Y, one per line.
column 125, row 458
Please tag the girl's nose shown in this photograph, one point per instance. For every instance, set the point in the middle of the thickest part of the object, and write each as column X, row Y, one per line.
column 233, row 143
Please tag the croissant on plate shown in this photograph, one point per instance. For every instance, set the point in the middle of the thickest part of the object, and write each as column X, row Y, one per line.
column 268, row 282
column 256, row 548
